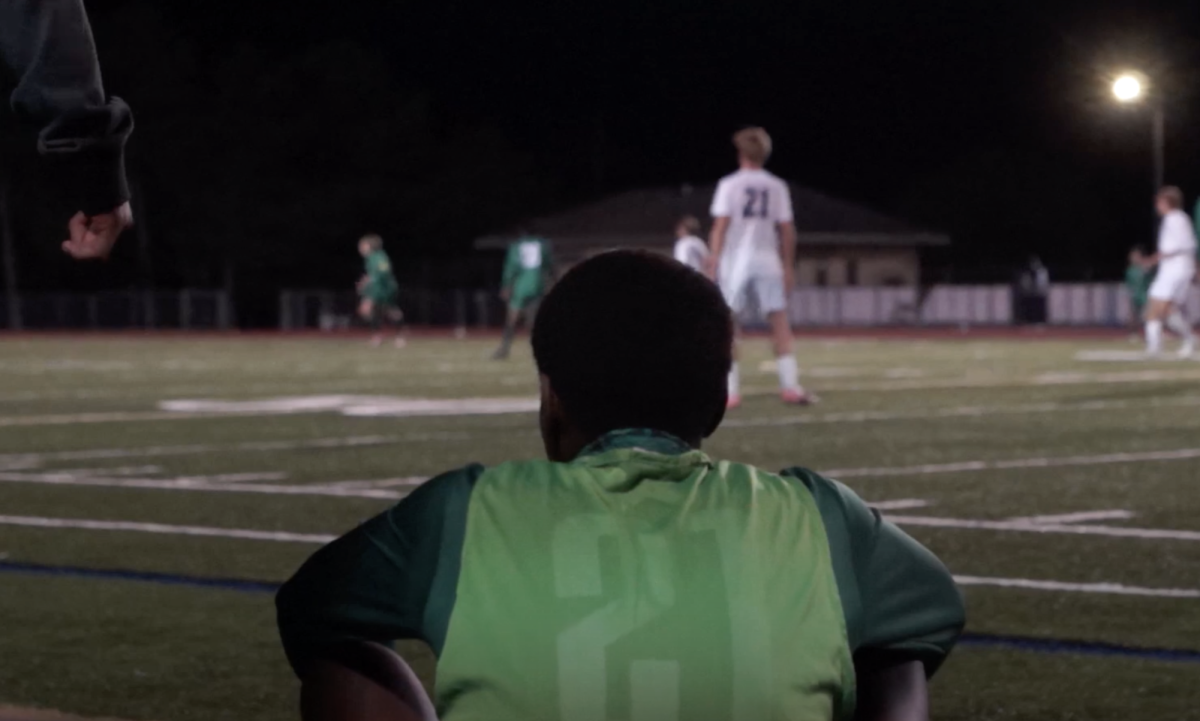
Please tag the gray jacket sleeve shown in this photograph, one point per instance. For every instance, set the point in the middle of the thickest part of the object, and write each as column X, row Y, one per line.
column 47, row 46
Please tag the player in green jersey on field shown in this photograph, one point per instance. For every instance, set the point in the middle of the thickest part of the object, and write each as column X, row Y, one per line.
column 1138, row 277
column 378, row 290
column 527, row 270
column 629, row 575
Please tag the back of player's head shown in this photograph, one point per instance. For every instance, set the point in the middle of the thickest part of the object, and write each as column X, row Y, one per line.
column 1172, row 196
column 372, row 241
column 688, row 225
column 632, row 339
column 753, row 144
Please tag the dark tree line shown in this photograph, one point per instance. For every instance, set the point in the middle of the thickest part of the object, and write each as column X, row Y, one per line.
column 260, row 170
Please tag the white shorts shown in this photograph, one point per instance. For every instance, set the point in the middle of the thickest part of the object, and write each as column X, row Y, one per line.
column 1172, row 286
column 767, row 289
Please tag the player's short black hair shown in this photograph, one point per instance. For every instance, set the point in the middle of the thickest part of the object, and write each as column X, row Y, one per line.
column 633, row 339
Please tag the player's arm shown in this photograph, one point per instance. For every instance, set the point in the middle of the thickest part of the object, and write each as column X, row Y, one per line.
column 716, row 242
column 890, row 689
column 787, row 252
column 512, row 268
column 48, row 46
column 786, row 227
column 373, row 586
column 721, row 211
column 716, row 236
column 363, row 682
column 904, row 611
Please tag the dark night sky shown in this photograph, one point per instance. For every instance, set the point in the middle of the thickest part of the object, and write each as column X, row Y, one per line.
column 883, row 102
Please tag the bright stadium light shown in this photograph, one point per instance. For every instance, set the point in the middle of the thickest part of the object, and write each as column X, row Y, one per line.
column 1128, row 88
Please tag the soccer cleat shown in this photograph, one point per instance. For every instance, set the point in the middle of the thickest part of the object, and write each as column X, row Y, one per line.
column 1188, row 348
column 798, row 397
column 500, row 354
column 400, row 342
column 376, row 341
column 733, row 401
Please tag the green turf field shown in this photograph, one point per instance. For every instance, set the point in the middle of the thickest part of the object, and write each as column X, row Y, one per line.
column 1059, row 480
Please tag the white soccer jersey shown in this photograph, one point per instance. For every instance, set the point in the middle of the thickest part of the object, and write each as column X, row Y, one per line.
column 1177, row 245
column 692, row 252
column 756, row 202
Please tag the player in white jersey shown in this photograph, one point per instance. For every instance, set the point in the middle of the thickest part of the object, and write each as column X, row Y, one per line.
column 1176, row 259
column 753, row 250
column 689, row 249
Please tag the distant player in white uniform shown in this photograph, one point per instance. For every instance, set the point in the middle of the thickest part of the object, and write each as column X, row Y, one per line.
column 689, row 249
column 753, row 250
column 1176, row 260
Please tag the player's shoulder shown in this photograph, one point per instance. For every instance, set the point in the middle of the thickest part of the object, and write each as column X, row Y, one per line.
column 458, row 482
column 526, row 474
column 836, row 501
column 735, row 178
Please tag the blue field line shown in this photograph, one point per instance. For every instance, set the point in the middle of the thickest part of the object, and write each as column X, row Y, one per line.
column 973, row 640
column 1085, row 648
column 163, row 579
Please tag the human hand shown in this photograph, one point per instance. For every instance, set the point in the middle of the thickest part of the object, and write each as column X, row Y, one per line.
column 93, row 237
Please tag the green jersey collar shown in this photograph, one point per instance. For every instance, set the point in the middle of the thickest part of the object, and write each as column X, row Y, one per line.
column 643, row 439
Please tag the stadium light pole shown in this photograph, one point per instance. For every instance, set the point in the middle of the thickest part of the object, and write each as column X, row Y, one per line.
column 1131, row 89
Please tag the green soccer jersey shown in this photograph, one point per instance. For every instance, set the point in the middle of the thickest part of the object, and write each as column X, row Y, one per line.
column 381, row 285
column 526, row 270
column 1137, row 283
column 643, row 580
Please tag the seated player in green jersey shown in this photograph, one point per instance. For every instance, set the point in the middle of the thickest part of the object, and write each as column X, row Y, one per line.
column 378, row 291
column 527, row 269
column 1138, row 277
column 629, row 575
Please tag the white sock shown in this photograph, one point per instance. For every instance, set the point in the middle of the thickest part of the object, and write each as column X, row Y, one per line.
column 789, row 374
column 734, row 382
column 1154, row 336
column 1178, row 324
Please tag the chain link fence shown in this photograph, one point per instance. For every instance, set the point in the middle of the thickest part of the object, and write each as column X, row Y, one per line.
column 188, row 309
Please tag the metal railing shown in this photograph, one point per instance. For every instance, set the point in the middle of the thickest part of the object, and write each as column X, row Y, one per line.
column 335, row 310
column 188, row 309
column 1082, row 304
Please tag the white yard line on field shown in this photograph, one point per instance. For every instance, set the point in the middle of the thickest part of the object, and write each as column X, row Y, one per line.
column 1181, row 454
column 959, row 412
column 380, row 483
column 12, row 470
column 320, row 538
column 1042, row 380
column 161, row 528
column 1104, row 588
column 14, row 461
column 198, row 483
column 902, row 504
column 111, row 471
column 412, row 409
column 1082, row 517
column 1026, row 527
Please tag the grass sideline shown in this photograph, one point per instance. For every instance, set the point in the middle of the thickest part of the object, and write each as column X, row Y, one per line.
column 115, row 647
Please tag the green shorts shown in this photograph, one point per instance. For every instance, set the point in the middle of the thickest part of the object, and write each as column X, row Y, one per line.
column 522, row 301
